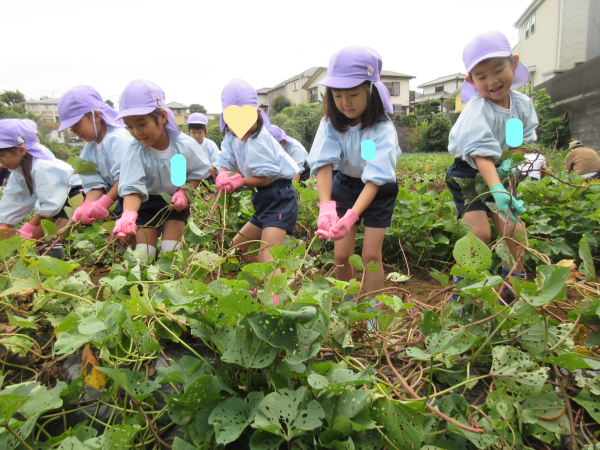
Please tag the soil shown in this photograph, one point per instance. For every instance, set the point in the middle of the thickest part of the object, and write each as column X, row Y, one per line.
column 437, row 187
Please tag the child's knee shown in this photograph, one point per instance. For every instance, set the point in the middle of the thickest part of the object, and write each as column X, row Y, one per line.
column 341, row 256
column 371, row 254
column 483, row 233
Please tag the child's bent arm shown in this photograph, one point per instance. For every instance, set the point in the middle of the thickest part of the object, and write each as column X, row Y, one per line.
column 95, row 194
column 324, row 182
column 36, row 220
column 194, row 183
column 132, row 202
column 488, row 170
column 365, row 198
column 114, row 192
column 257, row 181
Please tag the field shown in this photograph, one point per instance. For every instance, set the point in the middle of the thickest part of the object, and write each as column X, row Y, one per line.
column 111, row 351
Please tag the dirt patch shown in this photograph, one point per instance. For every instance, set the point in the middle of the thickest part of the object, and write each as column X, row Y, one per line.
column 437, row 187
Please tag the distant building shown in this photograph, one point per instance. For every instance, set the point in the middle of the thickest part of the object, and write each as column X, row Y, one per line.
column 263, row 99
column 179, row 111
column 557, row 35
column 47, row 108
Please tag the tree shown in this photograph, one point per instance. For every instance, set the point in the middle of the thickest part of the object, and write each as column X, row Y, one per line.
column 428, row 107
column 110, row 103
column 450, row 104
column 44, row 97
column 195, row 107
column 214, row 134
column 12, row 97
column 280, row 103
column 436, row 135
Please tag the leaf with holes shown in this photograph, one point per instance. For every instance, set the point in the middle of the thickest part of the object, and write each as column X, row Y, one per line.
column 470, row 251
column 248, row 350
column 231, row 417
column 139, row 304
column 341, row 380
column 289, row 413
column 551, row 285
column 403, row 426
column 545, row 406
column 516, row 373
column 134, row 383
column 590, row 402
column 587, row 265
column 356, row 262
column 239, row 304
column 450, row 343
column 82, row 166
column 119, row 436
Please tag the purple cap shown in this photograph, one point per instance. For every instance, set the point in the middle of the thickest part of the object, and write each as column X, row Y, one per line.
column 31, row 123
column 240, row 93
column 80, row 100
column 141, row 97
column 197, row 118
column 15, row 133
column 352, row 66
column 492, row 44
column 277, row 133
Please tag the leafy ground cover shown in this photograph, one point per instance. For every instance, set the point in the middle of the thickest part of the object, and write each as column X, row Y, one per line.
column 195, row 350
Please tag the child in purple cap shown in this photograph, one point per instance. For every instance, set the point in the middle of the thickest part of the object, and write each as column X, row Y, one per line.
column 355, row 106
column 262, row 164
column 146, row 169
column 478, row 138
column 89, row 117
column 197, row 123
column 295, row 149
column 39, row 181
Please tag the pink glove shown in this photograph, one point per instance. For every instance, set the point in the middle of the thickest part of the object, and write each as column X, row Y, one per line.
column 99, row 208
column 232, row 183
column 221, row 179
column 27, row 230
column 81, row 214
column 125, row 226
column 341, row 229
column 4, row 226
column 327, row 218
column 179, row 201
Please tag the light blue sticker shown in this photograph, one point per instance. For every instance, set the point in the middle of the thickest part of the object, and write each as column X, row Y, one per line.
column 367, row 149
column 514, row 132
column 178, row 170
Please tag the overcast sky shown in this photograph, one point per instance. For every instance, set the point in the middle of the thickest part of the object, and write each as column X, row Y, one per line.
column 193, row 48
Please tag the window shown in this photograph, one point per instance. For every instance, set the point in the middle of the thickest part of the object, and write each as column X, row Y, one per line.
column 177, row 111
column 527, row 30
column 313, row 95
column 295, row 86
column 399, row 109
column 439, row 88
column 532, row 30
column 393, row 88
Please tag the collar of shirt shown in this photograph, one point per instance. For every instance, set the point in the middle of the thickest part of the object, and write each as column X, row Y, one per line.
column 161, row 153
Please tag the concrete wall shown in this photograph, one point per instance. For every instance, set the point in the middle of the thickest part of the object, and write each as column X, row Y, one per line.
column 540, row 49
column 593, row 34
column 584, row 120
column 574, row 35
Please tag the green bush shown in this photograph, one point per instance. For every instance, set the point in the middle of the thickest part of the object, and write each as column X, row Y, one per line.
column 280, row 103
column 428, row 107
column 406, row 121
column 288, row 125
column 214, row 134
column 436, row 135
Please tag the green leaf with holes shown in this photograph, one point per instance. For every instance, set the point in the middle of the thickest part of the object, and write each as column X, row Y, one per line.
column 356, row 262
column 403, row 426
column 341, row 380
column 550, row 283
column 289, row 413
column 82, row 166
column 134, row 383
column 231, row 417
column 248, row 350
column 470, row 251
column 515, row 373
column 590, row 402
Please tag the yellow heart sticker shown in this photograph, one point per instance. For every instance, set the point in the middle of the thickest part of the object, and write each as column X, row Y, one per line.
column 240, row 120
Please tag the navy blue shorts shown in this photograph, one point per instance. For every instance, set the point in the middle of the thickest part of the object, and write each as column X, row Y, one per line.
column 462, row 169
column 72, row 193
column 346, row 190
column 209, row 180
column 306, row 174
column 150, row 208
column 276, row 206
column 118, row 209
column 4, row 176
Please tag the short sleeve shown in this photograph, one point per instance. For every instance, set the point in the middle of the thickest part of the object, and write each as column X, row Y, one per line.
column 51, row 188
column 382, row 169
column 133, row 173
column 325, row 148
column 226, row 158
column 16, row 202
column 261, row 156
column 472, row 136
column 530, row 124
column 197, row 163
column 91, row 181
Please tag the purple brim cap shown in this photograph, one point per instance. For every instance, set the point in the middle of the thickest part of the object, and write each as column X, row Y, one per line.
column 341, row 82
column 520, row 78
column 80, row 100
column 141, row 111
column 16, row 132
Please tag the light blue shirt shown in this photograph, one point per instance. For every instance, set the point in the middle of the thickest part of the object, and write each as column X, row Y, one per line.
column 344, row 149
column 211, row 150
column 50, row 191
column 147, row 171
column 260, row 157
column 297, row 151
column 481, row 128
column 107, row 155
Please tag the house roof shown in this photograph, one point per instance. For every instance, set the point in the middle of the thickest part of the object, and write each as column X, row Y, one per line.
column 460, row 76
column 435, row 95
column 316, row 74
column 48, row 101
column 391, row 73
column 532, row 7
column 176, row 105
column 263, row 90
column 307, row 73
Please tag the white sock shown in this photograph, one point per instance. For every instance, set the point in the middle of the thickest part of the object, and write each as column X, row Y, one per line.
column 150, row 249
column 168, row 246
